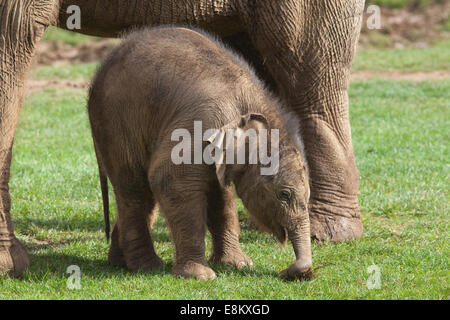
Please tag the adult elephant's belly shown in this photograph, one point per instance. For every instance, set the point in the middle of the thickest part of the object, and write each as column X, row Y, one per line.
column 110, row 18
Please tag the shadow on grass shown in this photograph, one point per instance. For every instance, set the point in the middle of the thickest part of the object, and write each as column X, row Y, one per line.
column 71, row 223
column 160, row 232
column 56, row 264
column 68, row 224
column 253, row 272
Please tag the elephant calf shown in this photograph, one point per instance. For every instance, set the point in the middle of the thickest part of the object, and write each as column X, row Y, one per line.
column 166, row 85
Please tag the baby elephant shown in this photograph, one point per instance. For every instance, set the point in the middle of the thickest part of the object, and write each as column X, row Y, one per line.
column 177, row 118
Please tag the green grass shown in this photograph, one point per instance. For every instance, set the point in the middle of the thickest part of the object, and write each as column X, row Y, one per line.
column 400, row 134
column 64, row 36
column 445, row 25
column 436, row 57
column 83, row 71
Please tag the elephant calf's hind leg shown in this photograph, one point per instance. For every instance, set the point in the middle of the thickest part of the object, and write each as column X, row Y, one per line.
column 131, row 238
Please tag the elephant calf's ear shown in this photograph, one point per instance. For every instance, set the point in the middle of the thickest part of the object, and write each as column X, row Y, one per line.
column 221, row 174
column 254, row 120
column 217, row 139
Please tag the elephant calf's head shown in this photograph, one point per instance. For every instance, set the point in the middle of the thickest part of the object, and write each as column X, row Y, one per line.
column 274, row 188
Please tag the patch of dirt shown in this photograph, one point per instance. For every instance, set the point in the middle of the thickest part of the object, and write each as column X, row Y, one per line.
column 410, row 76
column 33, row 85
column 34, row 245
column 57, row 53
column 407, row 27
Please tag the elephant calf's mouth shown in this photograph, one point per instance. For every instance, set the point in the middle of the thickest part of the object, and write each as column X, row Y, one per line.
column 282, row 235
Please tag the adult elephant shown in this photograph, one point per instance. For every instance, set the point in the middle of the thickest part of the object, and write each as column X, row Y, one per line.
column 303, row 48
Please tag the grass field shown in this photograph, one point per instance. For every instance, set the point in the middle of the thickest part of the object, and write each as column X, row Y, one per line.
column 434, row 58
column 404, row 3
column 400, row 133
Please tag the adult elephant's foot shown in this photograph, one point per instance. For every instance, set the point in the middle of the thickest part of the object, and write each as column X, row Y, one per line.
column 335, row 215
column 334, row 223
column 14, row 258
column 334, row 182
column 194, row 270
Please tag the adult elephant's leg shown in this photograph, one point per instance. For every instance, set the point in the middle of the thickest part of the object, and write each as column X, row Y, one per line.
column 308, row 46
column 21, row 26
column 13, row 257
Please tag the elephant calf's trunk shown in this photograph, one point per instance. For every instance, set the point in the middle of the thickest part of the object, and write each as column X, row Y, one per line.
column 301, row 241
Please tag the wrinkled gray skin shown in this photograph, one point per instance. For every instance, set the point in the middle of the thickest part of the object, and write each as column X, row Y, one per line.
column 161, row 80
column 302, row 48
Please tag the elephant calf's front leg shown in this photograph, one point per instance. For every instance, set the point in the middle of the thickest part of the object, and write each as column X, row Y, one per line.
column 185, row 213
column 223, row 224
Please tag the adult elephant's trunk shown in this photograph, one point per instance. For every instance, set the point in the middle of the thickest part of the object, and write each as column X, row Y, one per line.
column 299, row 235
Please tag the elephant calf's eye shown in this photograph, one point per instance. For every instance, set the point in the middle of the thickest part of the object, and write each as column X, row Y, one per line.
column 285, row 196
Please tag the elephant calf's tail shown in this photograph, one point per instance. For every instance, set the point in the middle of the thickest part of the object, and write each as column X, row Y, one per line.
column 105, row 198
column 104, row 188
